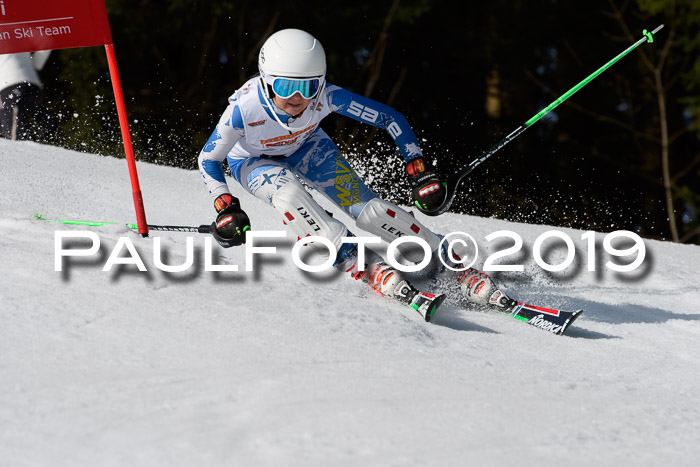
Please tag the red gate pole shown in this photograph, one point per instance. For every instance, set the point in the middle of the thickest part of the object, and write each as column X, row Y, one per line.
column 126, row 136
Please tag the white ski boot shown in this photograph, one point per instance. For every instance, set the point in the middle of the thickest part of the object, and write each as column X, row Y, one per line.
column 388, row 282
column 478, row 288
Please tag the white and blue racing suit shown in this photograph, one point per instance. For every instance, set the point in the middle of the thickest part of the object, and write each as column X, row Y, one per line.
column 264, row 156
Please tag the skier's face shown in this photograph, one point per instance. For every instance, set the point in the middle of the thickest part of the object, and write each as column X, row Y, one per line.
column 292, row 106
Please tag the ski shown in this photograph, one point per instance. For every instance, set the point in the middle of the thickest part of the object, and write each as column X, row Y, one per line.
column 554, row 321
column 426, row 304
column 547, row 319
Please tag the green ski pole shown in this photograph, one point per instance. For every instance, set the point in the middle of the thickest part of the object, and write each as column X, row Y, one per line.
column 456, row 177
column 169, row 228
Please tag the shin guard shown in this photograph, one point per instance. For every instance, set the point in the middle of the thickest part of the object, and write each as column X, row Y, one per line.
column 306, row 217
column 390, row 222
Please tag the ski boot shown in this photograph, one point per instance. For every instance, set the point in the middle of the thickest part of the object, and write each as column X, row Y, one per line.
column 478, row 288
column 388, row 282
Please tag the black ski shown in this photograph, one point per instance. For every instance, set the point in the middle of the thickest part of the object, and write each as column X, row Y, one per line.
column 548, row 319
column 554, row 321
column 426, row 304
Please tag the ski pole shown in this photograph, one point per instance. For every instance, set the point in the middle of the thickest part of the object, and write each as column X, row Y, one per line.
column 204, row 228
column 457, row 176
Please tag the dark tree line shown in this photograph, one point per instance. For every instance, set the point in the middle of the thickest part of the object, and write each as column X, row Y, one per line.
column 622, row 153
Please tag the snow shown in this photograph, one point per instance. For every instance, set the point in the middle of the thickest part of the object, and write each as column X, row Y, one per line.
column 278, row 367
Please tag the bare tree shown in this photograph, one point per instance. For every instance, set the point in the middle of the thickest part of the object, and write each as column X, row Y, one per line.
column 660, row 88
column 658, row 67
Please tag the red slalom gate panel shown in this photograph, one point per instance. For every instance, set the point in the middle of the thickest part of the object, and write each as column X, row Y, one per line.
column 31, row 25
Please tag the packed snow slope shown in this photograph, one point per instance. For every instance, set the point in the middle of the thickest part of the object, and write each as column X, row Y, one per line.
column 277, row 367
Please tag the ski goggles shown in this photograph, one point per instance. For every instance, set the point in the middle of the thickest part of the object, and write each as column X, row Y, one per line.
column 287, row 87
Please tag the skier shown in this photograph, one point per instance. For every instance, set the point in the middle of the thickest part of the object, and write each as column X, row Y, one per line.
column 270, row 135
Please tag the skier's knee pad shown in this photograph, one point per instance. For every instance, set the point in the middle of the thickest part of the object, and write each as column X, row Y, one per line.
column 390, row 222
column 264, row 177
column 306, row 218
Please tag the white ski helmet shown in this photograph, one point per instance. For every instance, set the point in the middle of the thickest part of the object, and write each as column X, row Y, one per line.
column 292, row 61
column 295, row 54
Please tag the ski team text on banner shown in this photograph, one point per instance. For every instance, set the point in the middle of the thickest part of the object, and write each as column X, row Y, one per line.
column 31, row 25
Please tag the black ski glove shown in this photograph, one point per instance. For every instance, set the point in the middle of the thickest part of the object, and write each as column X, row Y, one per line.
column 231, row 223
column 428, row 191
